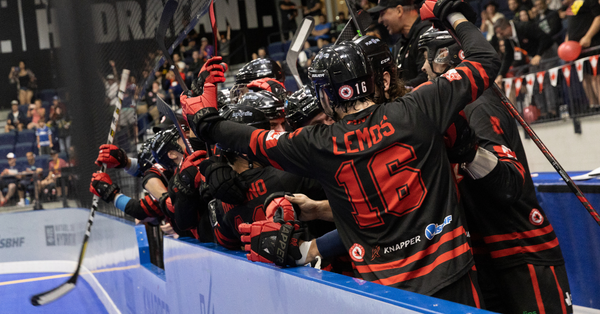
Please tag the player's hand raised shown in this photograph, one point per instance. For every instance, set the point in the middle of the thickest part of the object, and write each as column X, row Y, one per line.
column 112, row 156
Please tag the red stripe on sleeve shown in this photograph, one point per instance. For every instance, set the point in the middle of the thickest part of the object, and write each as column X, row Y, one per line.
column 474, row 87
column 479, row 67
column 145, row 209
column 518, row 235
column 254, row 140
column 261, row 144
column 536, row 289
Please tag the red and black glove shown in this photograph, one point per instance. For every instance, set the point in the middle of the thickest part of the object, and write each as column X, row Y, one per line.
column 188, row 179
column 438, row 11
column 201, row 111
column 278, row 208
column 222, row 182
column 111, row 156
column 461, row 141
column 269, row 84
column 103, row 187
column 213, row 71
column 272, row 242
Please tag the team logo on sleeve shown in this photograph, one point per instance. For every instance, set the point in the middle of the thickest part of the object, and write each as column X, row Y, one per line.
column 357, row 252
column 434, row 229
column 452, row 75
column 346, row 92
column 535, row 217
column 461, row 55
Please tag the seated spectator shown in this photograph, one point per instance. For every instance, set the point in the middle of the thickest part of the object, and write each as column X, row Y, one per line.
column 54, row 180
column 152, row 97
column 340, row 21
column 520, row 10
column 31, row 175
column 321, row 32
column 527, row 42
column 15, row 120
column 8, row 181
column 195, row 65
column 44, row 137
column 488, row 17
column 206, row 51
column 34, row 113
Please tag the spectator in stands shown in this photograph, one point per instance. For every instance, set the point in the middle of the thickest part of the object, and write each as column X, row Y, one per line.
column 288, row 18
column 549, row 21
column 27, row 182
column 402, row 17
column 206, row 51
column 313, row 7
column 224, row 42
column 54, row 178
column 519, row 9
column 34, row 113
column 340, row 21
column 61, row 123
column 152, row 97
column 584, row 25
column 321, row 31
column 112, row 88
column 44, row 137
column 187, row 48
column 25, row 81
column 8, row 180
column 261, row 53
column 488, row 17
column 15, row 119
column 526, row 40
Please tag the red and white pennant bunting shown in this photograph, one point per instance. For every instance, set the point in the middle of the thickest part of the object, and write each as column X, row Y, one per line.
column 518, row 84
column 579, row 68
column 507, row 85
column 553, row 75
column 540, row 79
column 594, row 63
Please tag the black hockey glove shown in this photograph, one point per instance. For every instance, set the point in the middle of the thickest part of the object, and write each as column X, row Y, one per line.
column 103, row 187
column 188, row 179
column 438, row 11
column 461, row 141
column 222, row 182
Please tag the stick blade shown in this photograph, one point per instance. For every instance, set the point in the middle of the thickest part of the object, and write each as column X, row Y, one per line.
column 163, row 108
column 165, row 19
column 349, row 31
column 298, row 41
column 54, row 294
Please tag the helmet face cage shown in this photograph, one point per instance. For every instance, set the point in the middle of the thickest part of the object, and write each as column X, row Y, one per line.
column 164, row 142
column 441, row 49
column 145, row 158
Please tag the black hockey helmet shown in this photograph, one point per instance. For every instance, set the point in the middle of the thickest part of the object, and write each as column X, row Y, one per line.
column 145, row 157
column 223, row 98
column 248, row 115
column 441, row 48
column 348, row 71
column 266, row 102
column 301, row 107
column 254, row 70
column 164, row 142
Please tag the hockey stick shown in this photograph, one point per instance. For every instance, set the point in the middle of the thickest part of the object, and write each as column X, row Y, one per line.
column 511, row 108
column 362, row 19
column 168, row 112
column 58, row 292
column 161, row 32
column 213, row 22
column 297, row 45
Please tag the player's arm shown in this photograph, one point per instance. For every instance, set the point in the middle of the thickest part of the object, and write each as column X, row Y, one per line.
column 154, row 186
column 311, row 209
column 184, row 191
column 442, row 98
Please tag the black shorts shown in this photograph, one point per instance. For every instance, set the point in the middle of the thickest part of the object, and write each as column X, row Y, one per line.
column 464, row 291
column 526, row 288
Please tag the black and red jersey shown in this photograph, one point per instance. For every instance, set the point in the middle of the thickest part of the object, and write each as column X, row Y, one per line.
column 507, row 225
column 262, row 182
column 386, row 175
column 159, row 172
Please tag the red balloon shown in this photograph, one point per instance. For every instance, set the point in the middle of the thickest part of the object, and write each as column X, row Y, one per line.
column 531, row 113
column 569, row 50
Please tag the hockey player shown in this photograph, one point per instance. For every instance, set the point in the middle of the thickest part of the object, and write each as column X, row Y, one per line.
column 259, row 181
column 382, row 164
column 254, row 70
column 302, row 109
column 519, row 260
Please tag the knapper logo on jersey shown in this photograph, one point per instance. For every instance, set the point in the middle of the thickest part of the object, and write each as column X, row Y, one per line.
column 346, row 92
column 434, row 229
column 357, row 252
column 452, row 75
column 535, row 217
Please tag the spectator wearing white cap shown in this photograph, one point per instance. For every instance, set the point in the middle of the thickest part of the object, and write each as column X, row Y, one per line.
column 15, row 120
column 8, row 181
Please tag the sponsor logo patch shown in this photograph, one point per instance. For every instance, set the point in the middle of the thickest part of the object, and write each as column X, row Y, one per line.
column 357, row 252
column 452, row 75
column 434, row 229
